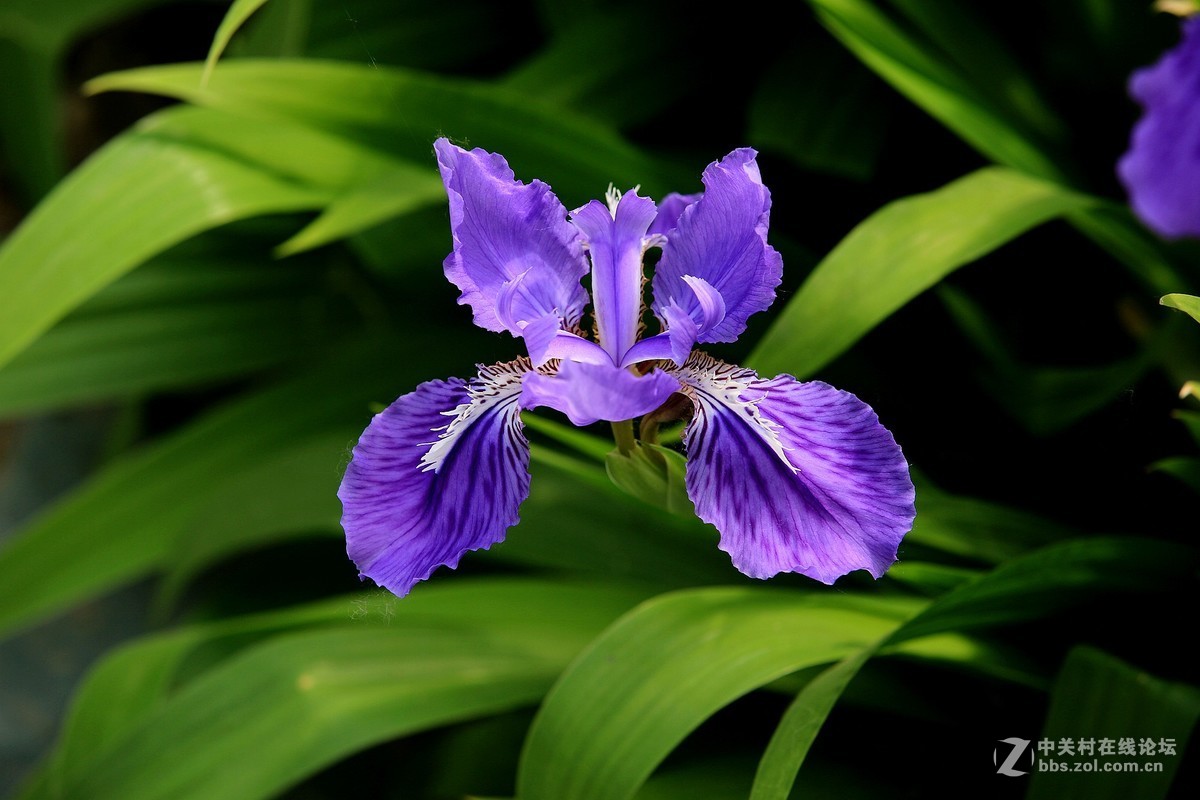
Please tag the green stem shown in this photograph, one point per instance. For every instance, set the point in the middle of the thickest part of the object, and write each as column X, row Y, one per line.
column 648, row 430
column 623, row 433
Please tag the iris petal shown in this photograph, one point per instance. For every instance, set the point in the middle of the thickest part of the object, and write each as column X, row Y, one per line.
column 1161, row 169
column 615, row 244
column 669, row 211
column 588, row 393
column 504, row 232
column 797, row 477
column 722, row 240
column 441, row 471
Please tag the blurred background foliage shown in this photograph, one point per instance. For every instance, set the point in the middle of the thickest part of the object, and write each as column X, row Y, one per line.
column 209, row 282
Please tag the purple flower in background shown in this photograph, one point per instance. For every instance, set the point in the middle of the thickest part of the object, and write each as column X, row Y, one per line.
column 1161, row 170
column 797, row 477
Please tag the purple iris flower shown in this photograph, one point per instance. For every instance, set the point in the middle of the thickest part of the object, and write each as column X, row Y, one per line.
column 1161, row 169
column 797, row 477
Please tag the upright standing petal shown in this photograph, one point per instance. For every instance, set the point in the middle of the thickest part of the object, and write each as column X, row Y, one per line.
column 440, row 471
column 797, row 477
column 722, row 240
column 1161, row 170
column 616, row 242
column 588, row 393
column 515, row 258
column 669, row 211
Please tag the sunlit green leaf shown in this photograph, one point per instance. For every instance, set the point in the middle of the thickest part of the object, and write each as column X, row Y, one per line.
column 659, row 672
column 1189, row 304
column 800, row 725
column 402, row 112
column 121, row 523
column 896, row 254
column 134, row 680
column 397, row 191
column 985, row 62
column 235, row 17
column 278, row 711
column 1050, row 579
column 934, row 84
column 141, row 194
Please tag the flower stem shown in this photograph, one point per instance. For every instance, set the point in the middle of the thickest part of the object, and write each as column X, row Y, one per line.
column 623, row 433
column 648, row 430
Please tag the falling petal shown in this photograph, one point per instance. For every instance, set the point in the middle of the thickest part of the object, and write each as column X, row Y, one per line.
column 440, row 471
column 797, row 477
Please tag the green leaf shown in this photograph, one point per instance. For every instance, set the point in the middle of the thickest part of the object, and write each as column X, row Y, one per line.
column 591, row 446
column 235, row 17
column 933, row 83
column 1189, row 304
column 659, row 672
column 988, row 120
column 138, row 677
column 289, row 493
column 897, row 253
column 399, row 190
column 1055, row 577
column 1185, row 469
column 573, row 521
column 278, row 711
column 121, row 523
column 717, row 777
column 139, row 195
column 407, row 33
column 401, row 113
column 983, row 60
column 178, row 322
column 577, row 522
column 653, row 474
column 931, row 579
column 1098, row 696
column 1050, row 579
column 801, row 723
column 1191, row 421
